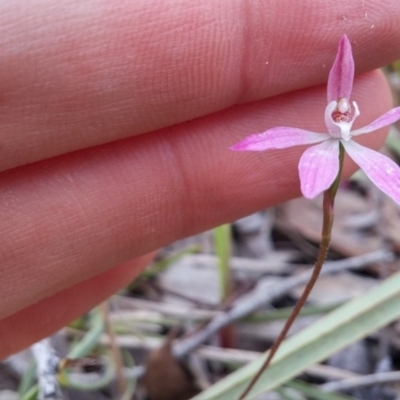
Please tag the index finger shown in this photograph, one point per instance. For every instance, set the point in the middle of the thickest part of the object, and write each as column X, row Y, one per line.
column 75, row 75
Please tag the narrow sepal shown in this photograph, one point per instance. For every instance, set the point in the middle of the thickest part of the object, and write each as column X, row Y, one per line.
column 279, row 138
column 340, row 81
column 384, row 120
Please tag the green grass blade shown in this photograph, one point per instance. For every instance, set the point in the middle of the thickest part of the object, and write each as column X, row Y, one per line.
column 222, row 240
column 91, row 338
column 331, row 333
column 159, row 266
column 313, row 393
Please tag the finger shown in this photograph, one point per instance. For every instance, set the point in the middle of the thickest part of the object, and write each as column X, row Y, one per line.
column 45, row 317
column 69, row 218
column 72, row 77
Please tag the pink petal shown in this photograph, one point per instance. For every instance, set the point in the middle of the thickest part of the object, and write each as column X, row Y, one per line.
column 386, row 119
column 340, row 81
column 279, row 138
column 318, row 167
column 382, row 171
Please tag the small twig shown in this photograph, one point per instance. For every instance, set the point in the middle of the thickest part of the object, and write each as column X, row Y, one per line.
column 178, row 311
column 47, row 364
column 199, row 370
column 214, row 353
column 162, row 290
column 265, row 292
column 115, row 351
column 362, row 381
column 277, row 262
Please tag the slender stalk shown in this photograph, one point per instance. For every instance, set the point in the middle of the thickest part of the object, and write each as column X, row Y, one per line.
column 222, row 240
column 115, row 350
column 328, row 202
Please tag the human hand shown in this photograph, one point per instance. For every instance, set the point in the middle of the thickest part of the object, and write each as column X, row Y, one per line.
column 115, row 123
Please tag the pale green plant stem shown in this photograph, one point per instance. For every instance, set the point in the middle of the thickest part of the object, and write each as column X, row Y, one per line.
column 115, row 350
column 222, row 240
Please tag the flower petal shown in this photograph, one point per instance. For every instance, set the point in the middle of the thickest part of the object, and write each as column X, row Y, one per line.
column 382, row 171
column 340, row 81
column 386, row 119
column 318, row 167
column 279, row 138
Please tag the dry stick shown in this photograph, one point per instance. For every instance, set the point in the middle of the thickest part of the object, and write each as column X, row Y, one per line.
column 361, row 381
column 261, row 295
column 328, row 203
column 46, row 366
column 115, row 350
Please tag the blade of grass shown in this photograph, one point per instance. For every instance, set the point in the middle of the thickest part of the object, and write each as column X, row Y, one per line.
column 27, row 381
column 81, row 348
column 284, row 313
column 222, row 241
column 286, row 394
column 131, row 381
column 108, row 376
column 161, row 265
column 91, row 338
column 314, row 393
column 331, row 333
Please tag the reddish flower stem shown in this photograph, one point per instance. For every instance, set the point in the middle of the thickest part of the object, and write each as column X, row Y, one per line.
column 328, row 203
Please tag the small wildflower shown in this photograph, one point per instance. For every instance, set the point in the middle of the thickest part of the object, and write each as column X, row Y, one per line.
column 319, row 164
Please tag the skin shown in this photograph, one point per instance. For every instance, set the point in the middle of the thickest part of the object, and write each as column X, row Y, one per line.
column 115, row 123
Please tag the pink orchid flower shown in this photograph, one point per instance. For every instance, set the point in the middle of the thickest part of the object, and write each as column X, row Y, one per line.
column 319, row 165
